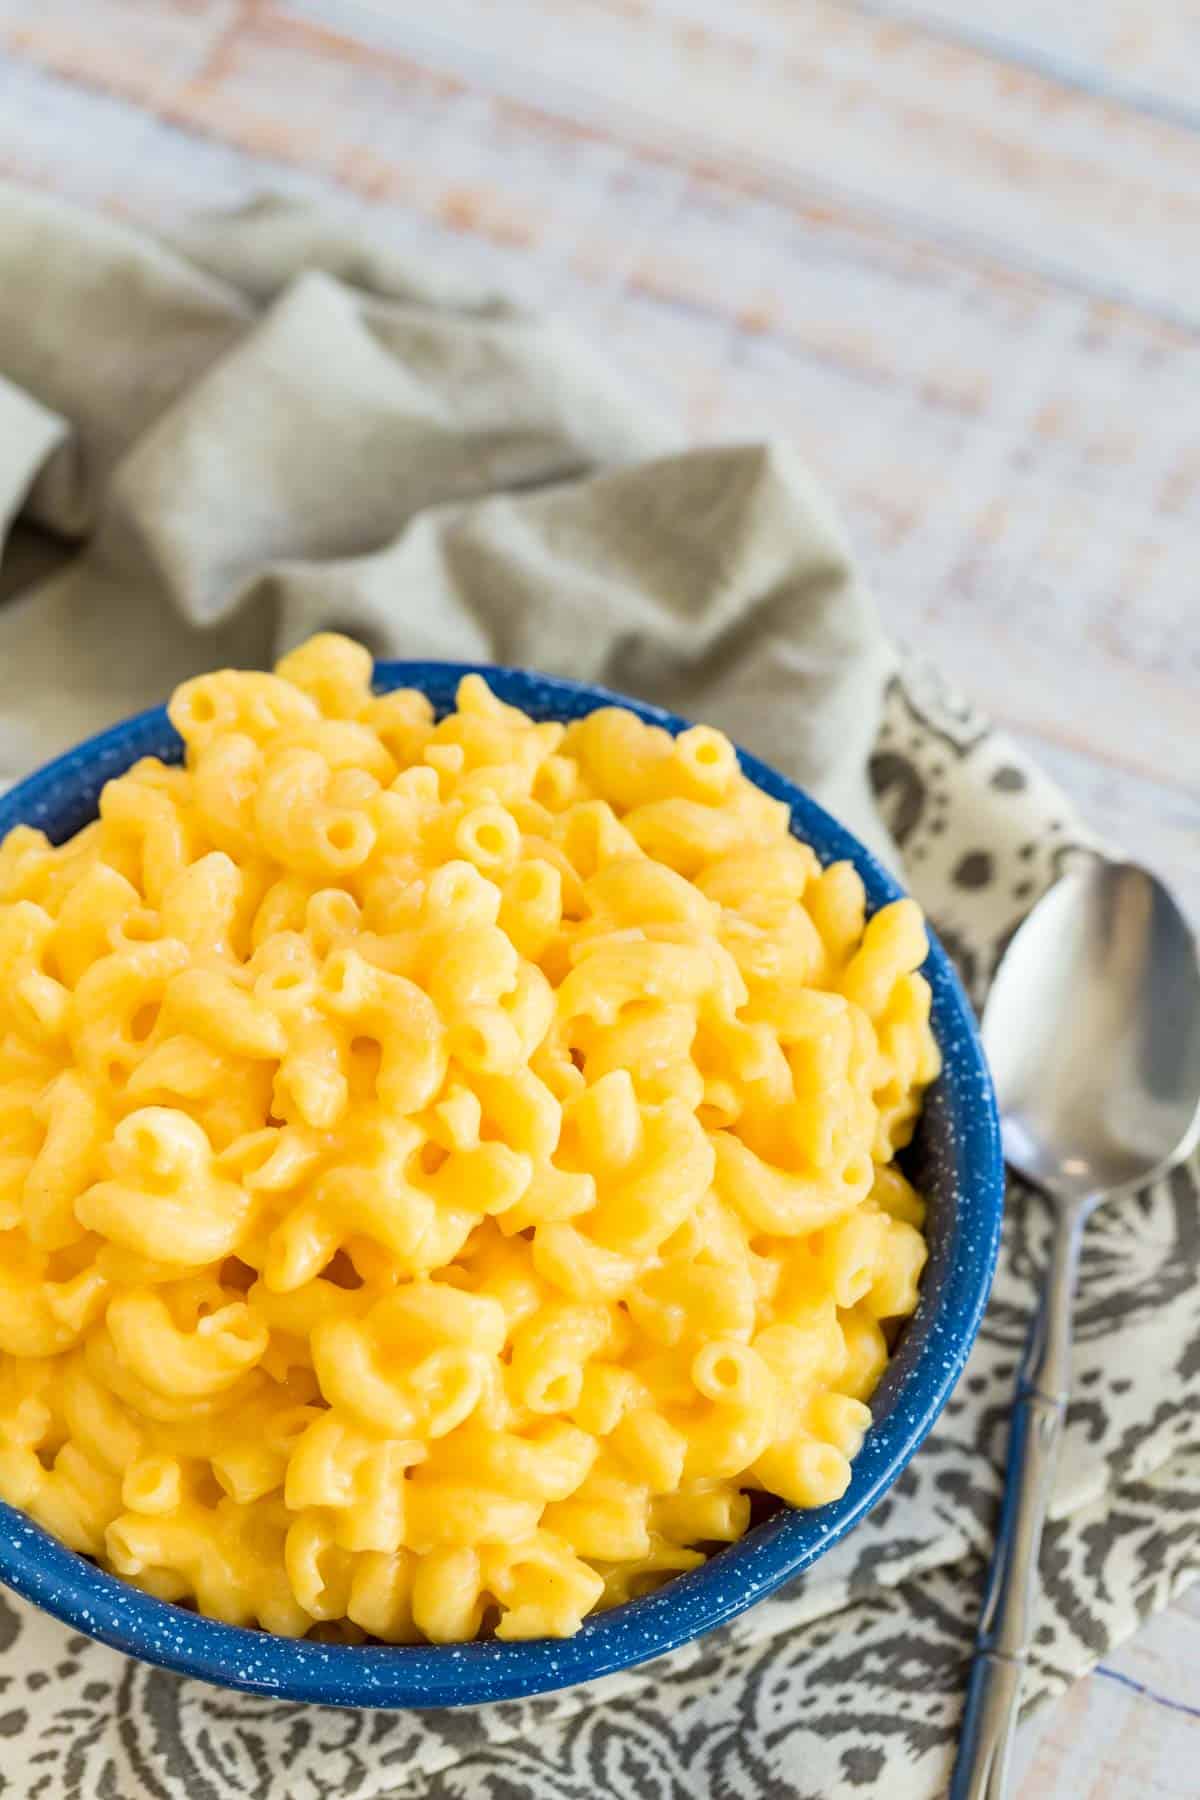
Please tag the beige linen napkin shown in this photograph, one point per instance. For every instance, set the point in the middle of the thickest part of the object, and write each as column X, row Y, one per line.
column 210, row 449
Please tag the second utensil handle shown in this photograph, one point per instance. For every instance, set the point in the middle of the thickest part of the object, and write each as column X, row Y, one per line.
column 1009, row 1609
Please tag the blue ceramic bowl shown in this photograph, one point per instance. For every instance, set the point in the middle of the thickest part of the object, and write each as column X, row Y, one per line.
column 955, row 1157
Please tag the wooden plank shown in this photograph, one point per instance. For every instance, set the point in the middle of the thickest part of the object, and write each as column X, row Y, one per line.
column 1131, row 1730
column 1145, row 57
column 1053, row 177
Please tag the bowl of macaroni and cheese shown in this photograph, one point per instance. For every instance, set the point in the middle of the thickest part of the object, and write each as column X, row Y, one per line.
column 492, row 1182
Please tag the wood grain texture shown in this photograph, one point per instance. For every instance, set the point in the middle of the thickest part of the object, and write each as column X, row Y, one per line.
column 950, row 248
column 1142, row 57
column 1131, row 1729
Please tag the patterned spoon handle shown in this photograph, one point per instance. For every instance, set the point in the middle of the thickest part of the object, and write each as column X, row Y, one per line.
column 1007, row 1621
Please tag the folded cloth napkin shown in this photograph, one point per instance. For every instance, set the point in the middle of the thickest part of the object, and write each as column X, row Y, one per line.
column 209, row 449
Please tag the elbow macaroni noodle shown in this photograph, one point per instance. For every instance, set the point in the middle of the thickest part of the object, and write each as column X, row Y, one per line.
column 445, row 1168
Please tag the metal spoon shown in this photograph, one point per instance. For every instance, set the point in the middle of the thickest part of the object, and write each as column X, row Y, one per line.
column 1092, row 1028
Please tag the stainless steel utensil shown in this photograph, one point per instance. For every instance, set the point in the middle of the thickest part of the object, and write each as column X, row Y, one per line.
column 1092, row 1028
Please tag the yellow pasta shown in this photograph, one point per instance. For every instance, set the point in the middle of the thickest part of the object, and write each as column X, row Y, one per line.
column 445, row 1167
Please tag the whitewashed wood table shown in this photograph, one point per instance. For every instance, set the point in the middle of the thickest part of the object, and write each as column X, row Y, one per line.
column 950, row 248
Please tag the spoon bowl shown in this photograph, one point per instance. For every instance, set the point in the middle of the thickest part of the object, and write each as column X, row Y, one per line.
column 1092, row 1028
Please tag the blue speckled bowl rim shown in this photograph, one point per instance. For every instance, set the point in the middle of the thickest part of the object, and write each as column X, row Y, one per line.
column 964, row 1178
